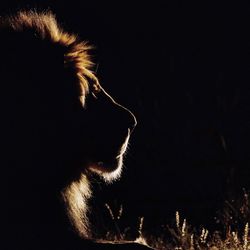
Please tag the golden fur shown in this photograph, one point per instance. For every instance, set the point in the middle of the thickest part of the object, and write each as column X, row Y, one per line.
column 47, row 78
column 45, row 27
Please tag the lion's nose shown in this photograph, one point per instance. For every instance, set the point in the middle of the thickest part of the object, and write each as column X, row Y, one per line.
column 131, row 119
column 126, row 115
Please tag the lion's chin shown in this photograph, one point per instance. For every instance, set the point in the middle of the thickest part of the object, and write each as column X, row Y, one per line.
column 108, row 171
column 111, row 170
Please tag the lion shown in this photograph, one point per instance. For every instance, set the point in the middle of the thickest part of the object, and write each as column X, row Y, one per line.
column 59, row 127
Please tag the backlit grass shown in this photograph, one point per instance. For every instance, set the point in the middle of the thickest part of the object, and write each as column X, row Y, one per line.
column 234, row 233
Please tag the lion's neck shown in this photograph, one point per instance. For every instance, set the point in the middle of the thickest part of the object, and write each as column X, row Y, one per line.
column 39, row 227
column 34, row 209
column 33, row 215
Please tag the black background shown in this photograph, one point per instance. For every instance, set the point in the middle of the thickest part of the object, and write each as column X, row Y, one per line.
column 182, row 67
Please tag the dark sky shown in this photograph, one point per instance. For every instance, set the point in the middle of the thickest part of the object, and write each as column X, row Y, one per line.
column 183, row 68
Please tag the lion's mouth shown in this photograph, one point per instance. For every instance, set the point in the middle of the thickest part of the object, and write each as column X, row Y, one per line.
column 124, row 146
column 111, row 165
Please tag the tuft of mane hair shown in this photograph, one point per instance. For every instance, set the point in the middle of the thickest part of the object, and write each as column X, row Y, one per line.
column 44, row 26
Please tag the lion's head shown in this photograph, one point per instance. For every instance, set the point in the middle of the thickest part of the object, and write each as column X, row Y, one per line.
column 58, row 123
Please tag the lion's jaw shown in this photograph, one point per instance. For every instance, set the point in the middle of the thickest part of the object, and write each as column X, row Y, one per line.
column 112, row 170
column 77, row 193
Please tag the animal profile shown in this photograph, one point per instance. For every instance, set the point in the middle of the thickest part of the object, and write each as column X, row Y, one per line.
column 58, row 127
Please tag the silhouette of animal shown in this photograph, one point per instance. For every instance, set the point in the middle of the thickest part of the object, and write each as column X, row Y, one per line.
column 58, row 127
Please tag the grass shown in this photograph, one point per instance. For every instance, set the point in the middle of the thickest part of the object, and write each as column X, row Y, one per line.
column 234, row 233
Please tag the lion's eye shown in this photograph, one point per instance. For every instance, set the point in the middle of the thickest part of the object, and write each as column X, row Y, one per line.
column 96, row 89
column 94, row 85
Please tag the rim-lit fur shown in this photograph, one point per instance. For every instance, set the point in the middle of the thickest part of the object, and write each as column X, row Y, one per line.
column 45, row 27
column 77, row 61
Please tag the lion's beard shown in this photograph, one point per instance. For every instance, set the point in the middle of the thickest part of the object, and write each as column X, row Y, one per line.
column 77, row 193
column 76, row 197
